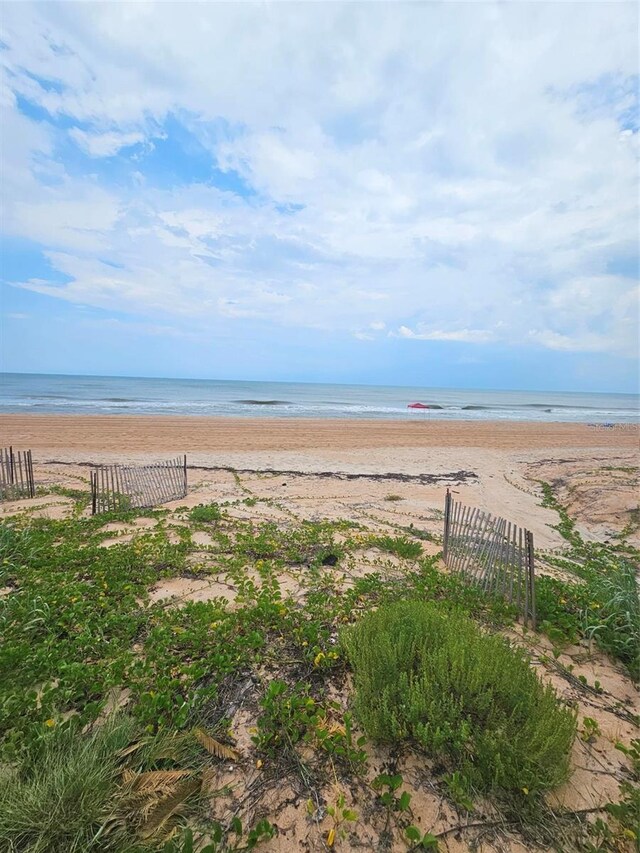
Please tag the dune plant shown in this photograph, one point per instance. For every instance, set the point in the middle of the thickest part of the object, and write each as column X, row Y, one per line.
column 603, row 604
column 58, row 800
column 431, row 676
column 399, row 545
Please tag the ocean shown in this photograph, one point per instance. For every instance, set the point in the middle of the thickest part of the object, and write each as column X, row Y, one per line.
column 46, row 394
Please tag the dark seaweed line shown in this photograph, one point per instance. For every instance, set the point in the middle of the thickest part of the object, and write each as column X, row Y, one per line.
column 424, row 479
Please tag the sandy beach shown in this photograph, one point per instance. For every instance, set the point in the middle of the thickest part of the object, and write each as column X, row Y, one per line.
column 152, row 434
column 329, row 467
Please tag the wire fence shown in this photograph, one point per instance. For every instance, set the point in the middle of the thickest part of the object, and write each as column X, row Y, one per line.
column 119, row 487
column 16, row 474
column 492, row 553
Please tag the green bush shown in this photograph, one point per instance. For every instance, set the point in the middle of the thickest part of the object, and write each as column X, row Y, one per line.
column 399, row 545
column 205, row 513
column 431, row 676
column 58, row 800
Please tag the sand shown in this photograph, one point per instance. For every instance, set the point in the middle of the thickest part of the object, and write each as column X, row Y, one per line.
column 168, row 434
column 492, row 465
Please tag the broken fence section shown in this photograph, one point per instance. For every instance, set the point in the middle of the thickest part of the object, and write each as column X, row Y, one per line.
column 16, row 474
column 492, row 553
column 120, row 487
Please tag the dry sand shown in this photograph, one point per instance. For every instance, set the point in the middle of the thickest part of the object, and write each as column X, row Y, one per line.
column 492, row 465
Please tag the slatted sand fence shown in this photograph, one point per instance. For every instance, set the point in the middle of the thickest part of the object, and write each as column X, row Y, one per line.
column 119, row 487
column 495, row 554
column 16, row 474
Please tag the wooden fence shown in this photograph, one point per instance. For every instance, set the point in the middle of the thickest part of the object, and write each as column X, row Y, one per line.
column 120, row 487
column 495, row 554
column 16, row 474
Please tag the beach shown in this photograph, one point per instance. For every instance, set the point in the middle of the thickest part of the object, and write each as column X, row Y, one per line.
column 121, row 435
column 346, row 467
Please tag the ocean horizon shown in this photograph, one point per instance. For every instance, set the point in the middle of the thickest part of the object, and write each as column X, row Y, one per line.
column 66, row 394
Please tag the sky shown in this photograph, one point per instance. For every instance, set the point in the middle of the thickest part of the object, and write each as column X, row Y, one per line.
column 440, row 194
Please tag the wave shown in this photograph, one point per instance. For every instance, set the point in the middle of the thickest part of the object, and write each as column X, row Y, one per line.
column 264, row 402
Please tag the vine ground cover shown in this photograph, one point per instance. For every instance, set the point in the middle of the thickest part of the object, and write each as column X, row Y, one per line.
column 78, row 624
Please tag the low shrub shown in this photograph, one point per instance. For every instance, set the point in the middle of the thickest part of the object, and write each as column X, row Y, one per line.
column 399, row 545
column 205, row 513
column 429, row 675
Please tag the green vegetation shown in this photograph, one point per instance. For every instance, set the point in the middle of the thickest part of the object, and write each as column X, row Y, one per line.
column 78, row 626
column 431, row 676
column 62, row 796
column 112, row 789
column 602, row 604
column 399, row 545
column 205, row 513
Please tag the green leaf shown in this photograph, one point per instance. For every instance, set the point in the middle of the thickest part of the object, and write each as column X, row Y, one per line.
column 413, row 833
column 403, row 802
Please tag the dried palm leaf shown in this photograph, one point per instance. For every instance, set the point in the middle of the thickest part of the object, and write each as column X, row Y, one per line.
column 167, row 807
column 163, row 781
column 220, row 750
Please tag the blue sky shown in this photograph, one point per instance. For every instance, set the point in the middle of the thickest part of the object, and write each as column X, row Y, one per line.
column 423, row 193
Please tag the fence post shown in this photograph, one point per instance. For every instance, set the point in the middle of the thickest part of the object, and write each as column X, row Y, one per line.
column 32, row 482
column 447, row 516
column 185, row 473
column 94, row 491
column 12, row 463
column 531, row 579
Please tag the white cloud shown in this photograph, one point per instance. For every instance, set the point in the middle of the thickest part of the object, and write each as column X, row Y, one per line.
column 451, row 184
column 104, row 144
column 472, row 336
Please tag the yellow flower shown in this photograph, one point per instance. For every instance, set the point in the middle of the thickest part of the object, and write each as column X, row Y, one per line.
column 50, row 723
column 318, row 659
column 259, row 763
column 331, row 837
column 525, row 791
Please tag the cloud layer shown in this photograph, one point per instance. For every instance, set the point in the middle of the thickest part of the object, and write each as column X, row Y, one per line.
column 424, row 172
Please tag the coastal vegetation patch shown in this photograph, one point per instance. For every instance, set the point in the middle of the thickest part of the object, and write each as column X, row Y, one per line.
column 168, row 722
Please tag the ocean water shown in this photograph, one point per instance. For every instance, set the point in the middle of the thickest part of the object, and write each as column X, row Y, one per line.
column 228, row 398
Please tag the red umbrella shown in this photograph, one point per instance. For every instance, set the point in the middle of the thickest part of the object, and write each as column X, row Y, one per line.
column 418, row 406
